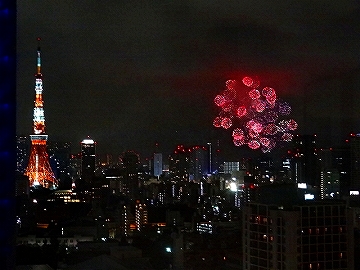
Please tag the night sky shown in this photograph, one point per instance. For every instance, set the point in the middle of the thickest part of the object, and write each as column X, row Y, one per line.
column 132, row 73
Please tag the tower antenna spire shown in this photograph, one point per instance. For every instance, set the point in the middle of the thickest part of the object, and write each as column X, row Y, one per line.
column 38, row 57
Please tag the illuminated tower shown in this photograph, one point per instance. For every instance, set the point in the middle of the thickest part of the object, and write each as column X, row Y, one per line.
column 38, row 169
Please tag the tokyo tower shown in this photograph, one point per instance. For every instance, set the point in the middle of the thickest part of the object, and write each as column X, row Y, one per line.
column 38, row 169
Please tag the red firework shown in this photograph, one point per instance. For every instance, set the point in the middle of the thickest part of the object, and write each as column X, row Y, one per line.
column 255, row 115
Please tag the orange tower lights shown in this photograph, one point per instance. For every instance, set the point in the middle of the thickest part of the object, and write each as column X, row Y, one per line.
column 39, row 170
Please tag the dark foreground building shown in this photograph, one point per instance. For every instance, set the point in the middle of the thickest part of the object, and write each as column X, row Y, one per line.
column 298, row 235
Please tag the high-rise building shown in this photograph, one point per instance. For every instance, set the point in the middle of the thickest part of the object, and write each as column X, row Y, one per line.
column 210, row 158
column 39, row 170
column 231, row 166
column 355, row 161
column 189, row 163
column 124, row 221
column 305, row 165
column 311, row 235
column 74, row 169
column 330, row 184
column 329, row 175
column 342, row 162
column 22, row 153
column 130, row 163
column 198, row 162
column 264, row 170
column 141, row 215
column 88, row 159
column 116, row 180
column 60, row 153
column 213, row 157
column 157, row 164
column 249, row 190
column 179, row 163
column 21, row 184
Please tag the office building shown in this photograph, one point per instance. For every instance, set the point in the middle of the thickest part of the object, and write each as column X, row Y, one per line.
column 88, row 159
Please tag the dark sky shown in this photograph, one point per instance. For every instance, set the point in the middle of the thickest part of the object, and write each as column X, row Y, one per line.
column 131, row 73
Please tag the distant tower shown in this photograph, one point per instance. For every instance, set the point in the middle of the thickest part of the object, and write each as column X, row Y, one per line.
column 38, row 169
column 88, row 159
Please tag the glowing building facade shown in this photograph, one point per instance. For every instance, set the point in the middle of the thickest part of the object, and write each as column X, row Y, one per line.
column 158, row 164
column 88, row 159
column 141, row 215
column 124, row 221
column 39, row 170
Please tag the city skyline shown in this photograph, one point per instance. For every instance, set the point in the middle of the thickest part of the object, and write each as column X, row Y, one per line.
column 132, row 75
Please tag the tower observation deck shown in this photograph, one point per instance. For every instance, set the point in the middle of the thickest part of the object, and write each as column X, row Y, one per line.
column 39, row 170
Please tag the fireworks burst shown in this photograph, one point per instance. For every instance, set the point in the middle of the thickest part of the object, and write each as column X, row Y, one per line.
column 254, row 116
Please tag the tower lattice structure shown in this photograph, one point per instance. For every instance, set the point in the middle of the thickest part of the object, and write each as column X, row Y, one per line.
column 39, row 170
